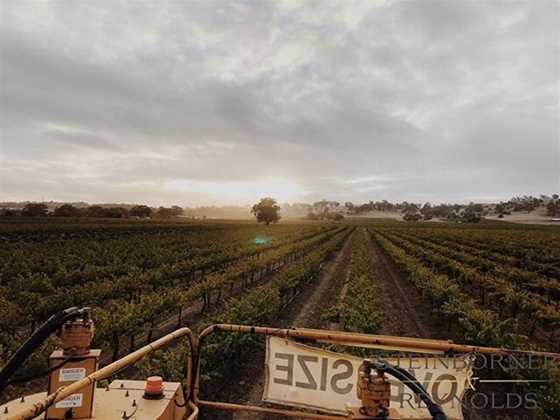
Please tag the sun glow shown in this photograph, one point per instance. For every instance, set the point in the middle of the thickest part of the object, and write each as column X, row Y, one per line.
column 238, row 192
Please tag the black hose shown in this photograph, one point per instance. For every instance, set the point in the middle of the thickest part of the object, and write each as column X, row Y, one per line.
column 28, row 378
column 50, row 326
column 411, row 382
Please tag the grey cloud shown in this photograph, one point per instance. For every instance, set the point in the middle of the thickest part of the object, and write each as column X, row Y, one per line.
column 445, row 99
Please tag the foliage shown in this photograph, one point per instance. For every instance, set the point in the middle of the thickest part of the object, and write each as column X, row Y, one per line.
column 168, row 212
column 261, row 306
column 35, row 210
column 412, row 217
column 170, row 365
column 140, row 211
column 492, row 287
column 360, row 307
column 266, row 211
column 134, row 275
column 66, row 210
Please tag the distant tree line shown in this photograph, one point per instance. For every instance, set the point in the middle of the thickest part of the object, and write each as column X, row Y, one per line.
column 553, row 206
column 325, row 210
column 117, row 212
column 320, row 210
column 470, row 213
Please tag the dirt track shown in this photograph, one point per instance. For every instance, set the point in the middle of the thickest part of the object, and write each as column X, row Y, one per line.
column 306, row 312
column 405, row 313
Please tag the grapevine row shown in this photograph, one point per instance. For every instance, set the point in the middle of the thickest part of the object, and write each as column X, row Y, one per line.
column 491, row 290
column 359, row 307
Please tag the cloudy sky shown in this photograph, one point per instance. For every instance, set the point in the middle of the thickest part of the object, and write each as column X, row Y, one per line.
column 201, row 102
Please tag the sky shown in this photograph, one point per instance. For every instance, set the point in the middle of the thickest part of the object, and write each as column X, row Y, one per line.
column 222, row 102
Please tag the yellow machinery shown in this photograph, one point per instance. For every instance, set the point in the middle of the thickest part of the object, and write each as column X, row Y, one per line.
column 74, row 376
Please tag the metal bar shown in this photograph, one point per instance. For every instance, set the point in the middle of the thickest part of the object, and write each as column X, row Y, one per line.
column 266, row 410
column 194, row 414
column 348, row 337
column 356, row 334
column 40, row 406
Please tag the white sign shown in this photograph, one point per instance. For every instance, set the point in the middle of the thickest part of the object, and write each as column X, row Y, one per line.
column 74, row 400
column 71, row 374
column 307, row 377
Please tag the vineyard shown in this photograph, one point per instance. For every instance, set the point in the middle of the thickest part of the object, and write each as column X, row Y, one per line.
column 490, row 284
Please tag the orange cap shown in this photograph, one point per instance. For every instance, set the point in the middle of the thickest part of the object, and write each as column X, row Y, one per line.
column 154, row 385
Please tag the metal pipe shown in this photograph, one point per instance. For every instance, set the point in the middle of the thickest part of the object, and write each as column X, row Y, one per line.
column 266, row 410
column 417, row 344
column 194, row 414
column 40, row 406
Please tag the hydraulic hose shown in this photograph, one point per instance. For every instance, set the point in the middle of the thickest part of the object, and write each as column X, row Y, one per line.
column 50, row 326
column 411, row 382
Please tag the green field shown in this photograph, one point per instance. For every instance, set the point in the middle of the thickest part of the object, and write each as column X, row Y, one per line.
column 491, row 284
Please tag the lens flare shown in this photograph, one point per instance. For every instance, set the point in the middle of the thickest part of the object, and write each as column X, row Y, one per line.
column 262, row 240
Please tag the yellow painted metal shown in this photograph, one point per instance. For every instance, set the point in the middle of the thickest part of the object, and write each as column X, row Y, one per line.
column 37, row 404
column 40, row 406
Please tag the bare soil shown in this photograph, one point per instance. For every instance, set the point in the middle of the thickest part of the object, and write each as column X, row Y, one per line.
column 405, row 312
column 536, row 217
column 305, row 311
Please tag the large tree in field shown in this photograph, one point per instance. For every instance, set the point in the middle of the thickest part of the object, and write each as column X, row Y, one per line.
column 266, row 211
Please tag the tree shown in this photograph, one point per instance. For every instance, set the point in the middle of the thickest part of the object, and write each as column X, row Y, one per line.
column 266, row 211
column 140, row 211
column 167, row 212
column 471, row 215
column 500, row 208
column 67, row 210
column 95, row 211
column 177, row 210
column 312, row 216
column 337, row 217
column 409, row 208
column 427, row 211
column 9, row 213
column 115, row 212
column 553, row 208
column 34, row 210
column 412, row 217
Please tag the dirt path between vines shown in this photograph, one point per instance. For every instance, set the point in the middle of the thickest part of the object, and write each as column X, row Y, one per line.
column 308, row 308
column 404, row 311
column 306, row 311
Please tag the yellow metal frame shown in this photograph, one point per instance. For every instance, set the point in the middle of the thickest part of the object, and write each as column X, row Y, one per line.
column 109, row 370
column 193, row 374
